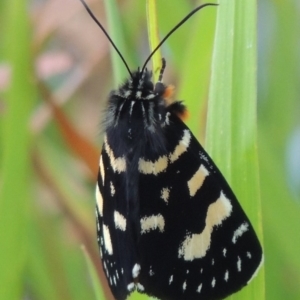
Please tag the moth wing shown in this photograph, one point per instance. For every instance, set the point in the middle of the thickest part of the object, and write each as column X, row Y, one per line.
column 196, row 241
column 114, row 239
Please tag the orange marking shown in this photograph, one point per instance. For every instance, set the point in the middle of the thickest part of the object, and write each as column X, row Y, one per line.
column 169, row 91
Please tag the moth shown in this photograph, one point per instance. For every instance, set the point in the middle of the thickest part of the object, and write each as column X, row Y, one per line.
column 168, row 224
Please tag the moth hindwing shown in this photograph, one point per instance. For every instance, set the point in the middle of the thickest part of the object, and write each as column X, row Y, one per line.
column 168, row 224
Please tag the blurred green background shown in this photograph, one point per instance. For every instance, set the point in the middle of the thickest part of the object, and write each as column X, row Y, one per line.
column 55, row 73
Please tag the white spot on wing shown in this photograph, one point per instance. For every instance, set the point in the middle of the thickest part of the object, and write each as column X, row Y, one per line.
column 171, row 279
column 195, row 183
column 239, row 264
column 249, row 255
column 112, row 189
column 136, row 270
column 239, row 232
column 256, row 271
column 99, row 201
column 196, row 245
column 165, row 194
column 182, row 146
column 153, row 167
column 224, row 252
column 107, row 240
column 213, row 282
column 152, row 223
column 184, row 286
column 140, row 287
column 226, row 277
column 120, row 221
column 199, row 288
column 130, row 286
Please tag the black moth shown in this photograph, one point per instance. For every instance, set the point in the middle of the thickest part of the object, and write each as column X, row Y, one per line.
column 168, row 224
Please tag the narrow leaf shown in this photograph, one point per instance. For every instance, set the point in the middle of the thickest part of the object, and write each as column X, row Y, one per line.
column 153, row 36
column 231, row 128
column 94, row 276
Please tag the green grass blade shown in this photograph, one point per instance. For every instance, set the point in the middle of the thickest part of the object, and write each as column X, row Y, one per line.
column 153, row 37
column 194, row 74
column 231, row 128
column 116, row 33
column 95, row 279
column 15, row 191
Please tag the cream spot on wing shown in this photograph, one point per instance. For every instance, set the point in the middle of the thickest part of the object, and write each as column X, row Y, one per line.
column 226, row 277
column 99, row 200
column 196, row 245
column 165, row 194
column 199, row 288
column 239, row 264
column 112, row 189
column 182, row 146
column 136, row 270
column 120, row 221
column 153, row 167
column 140, row 287
column 256, row 271
column 195, row 183
column 118, row 164
column 213, row 283
column 130, row 286
column 107, row 240
column 101, row 167
column 239, row 232
column 152, row 223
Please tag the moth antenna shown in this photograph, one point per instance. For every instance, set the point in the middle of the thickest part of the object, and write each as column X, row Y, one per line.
column 174, row 29
column 106, row 34
column 163, row 67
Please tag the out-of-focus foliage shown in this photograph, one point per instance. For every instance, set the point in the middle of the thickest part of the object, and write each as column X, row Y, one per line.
column 55, row 75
